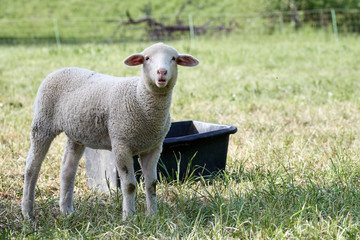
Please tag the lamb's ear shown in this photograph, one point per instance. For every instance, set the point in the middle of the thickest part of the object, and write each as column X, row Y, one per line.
column 187, row 60
column 134, row 60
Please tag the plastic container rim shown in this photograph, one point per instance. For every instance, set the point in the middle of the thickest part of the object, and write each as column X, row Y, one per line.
column 227, row 129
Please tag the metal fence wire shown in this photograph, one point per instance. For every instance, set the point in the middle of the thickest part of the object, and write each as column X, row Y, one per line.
column 106, row 30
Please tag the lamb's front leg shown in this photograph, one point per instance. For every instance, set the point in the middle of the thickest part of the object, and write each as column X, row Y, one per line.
column 148, row 162
column 125, row 167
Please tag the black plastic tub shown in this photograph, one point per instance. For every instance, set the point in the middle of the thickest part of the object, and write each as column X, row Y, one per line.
column 193, row 147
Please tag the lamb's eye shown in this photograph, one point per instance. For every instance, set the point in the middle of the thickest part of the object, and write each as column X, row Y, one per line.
column 147, row 58
column 173, row 58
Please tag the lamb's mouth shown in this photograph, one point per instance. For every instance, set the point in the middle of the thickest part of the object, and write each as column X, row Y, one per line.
column 161, row 82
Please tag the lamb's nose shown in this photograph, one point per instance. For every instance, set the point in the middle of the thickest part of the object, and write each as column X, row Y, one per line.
column 162, row 72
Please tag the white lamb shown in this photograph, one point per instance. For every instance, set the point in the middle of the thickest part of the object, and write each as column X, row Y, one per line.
column 129, row 116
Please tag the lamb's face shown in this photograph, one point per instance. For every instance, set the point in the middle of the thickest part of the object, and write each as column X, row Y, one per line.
column 159, row 64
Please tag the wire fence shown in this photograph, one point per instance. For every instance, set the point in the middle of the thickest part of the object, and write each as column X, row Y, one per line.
column 107, row 30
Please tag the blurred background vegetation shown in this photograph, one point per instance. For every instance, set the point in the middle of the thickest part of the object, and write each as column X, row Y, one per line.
column 110, row 8
column 79, row 21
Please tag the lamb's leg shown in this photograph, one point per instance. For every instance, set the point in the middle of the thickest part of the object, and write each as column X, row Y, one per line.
column 40, row 144
column 148, row 162
column 69, row 165
column 125, row 166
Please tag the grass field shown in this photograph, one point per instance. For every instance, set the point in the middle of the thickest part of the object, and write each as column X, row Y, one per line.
column 108, row 8
column 79, row 21
column 293, row 169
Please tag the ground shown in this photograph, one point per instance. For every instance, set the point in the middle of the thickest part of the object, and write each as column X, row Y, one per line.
column 293, row 167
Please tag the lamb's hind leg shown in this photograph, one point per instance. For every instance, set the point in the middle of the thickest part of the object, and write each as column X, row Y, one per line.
column 40, row 143
column 69, row 165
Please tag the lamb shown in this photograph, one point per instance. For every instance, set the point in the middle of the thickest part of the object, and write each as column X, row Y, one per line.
column 127, row 115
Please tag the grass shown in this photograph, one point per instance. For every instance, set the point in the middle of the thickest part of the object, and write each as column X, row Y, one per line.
column 94, row 9
column 79, row 21
column 293, row 167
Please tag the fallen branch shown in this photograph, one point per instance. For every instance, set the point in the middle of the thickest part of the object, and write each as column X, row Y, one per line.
column 156, row 30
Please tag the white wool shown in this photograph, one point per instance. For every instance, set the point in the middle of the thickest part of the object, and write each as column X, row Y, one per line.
column 129, row 116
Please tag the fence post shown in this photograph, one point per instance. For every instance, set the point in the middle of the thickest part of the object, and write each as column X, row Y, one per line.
column 281, row 22
column 57, row 35
column 191, row 26
column 333, row 18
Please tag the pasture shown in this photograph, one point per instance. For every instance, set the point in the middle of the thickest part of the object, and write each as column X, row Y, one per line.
column 293, row 168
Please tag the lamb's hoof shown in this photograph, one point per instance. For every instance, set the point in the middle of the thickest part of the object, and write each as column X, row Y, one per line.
column 126, row 215
column 66, row 209
column 67, row 213
column 28, row 215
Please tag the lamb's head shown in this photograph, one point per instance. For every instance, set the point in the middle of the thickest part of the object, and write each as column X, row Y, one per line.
column 159, row 65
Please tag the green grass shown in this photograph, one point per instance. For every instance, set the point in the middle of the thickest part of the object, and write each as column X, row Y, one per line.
column 293, row 168
column 108, row 8
column 79, row 21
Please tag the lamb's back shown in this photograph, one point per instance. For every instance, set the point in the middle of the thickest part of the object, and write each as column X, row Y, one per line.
column 77, row 101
